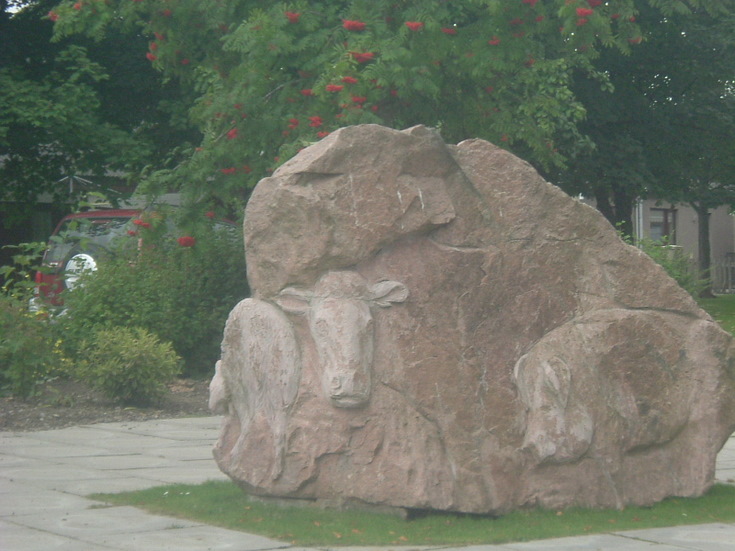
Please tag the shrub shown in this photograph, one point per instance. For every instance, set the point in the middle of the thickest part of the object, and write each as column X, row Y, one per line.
column 676, row 263
column 18, row 278
column 179, row 289
column 28, row 351
column 28, row 355
column 129, row 365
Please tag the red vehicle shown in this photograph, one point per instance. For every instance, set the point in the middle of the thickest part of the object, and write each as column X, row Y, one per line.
column 76, row 245
column 82, row 239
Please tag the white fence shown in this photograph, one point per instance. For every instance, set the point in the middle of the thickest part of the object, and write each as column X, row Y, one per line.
column 722, row 270
column 723, row 274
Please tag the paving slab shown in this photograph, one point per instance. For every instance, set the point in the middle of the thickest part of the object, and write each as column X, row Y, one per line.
column 195, row 538
column 183, row 452
column 84, row 488
column 93, row 522
column 20, row 538
column 46, row 476
column 116, row 462
column 8, row 462
column 176, row 429
column 703, row 537
column 191, row 472
column 22, row 502
column 49, row 475
column 85, row 435
column 57, row 452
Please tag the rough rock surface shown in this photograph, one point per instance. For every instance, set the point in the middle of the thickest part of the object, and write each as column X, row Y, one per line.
column 437, row 327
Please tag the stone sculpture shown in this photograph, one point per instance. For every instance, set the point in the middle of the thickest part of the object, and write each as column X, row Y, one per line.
column 436, row 326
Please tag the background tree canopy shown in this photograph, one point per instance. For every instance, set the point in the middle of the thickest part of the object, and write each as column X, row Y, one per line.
column 666, row 129
column 567, row 85
column 271, row 78
column 78, row 107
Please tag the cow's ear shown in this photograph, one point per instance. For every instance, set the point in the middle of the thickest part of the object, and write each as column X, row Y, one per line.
column 293, row 300
column 385, row 293
column 218, row 394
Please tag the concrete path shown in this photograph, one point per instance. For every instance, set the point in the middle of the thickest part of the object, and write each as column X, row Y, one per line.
column 44, row 477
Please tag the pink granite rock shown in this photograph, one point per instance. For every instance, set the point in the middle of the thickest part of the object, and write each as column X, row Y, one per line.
column 437, row 327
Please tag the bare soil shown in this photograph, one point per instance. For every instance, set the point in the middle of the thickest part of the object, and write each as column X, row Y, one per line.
column 64, row 403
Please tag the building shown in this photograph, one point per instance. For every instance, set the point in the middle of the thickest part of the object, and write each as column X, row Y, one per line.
column 677, row 224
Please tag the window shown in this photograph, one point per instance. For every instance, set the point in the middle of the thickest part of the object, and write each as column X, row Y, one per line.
column 662, row 225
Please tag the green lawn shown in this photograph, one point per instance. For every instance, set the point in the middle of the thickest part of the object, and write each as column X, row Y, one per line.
column 722, row 309
column 224, row 504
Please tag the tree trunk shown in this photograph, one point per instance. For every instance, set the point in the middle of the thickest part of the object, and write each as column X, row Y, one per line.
column 619, row 211
column 704, row 258
column 602, row 202
column 623, row 210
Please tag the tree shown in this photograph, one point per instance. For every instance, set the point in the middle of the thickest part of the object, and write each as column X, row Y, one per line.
column 667, row 129
column 75, row 107
column 614, row 168
column 693, row 152
column 272, row 78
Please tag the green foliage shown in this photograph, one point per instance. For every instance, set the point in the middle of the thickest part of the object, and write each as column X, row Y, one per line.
column 182, row 294
column 28, row 355
column 224, row 504
column 129, row 365
column 665, row 129
column 272, row 78
column 677, row 264
column 28, row 352
column 18, row 278
column 722, row 309
column 78, row 107
column 61, row 108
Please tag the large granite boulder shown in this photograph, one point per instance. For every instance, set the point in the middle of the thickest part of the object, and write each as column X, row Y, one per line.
column 436, row 326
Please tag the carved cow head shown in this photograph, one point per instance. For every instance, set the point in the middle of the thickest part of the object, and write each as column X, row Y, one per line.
column 341, row 325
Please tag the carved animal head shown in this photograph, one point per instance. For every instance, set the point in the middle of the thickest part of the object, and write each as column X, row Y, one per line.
column 341, row 325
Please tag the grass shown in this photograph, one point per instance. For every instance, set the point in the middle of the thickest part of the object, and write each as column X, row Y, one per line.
column 721, row 309
column 224, row 504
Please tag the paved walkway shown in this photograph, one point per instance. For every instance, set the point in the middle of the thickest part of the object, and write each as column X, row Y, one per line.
column 44, row 477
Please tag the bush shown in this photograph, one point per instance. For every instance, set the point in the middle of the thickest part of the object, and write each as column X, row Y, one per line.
column 179, row 289
column 676, row 263
column 28, row 355
column 129, row 365
column 18, row 278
